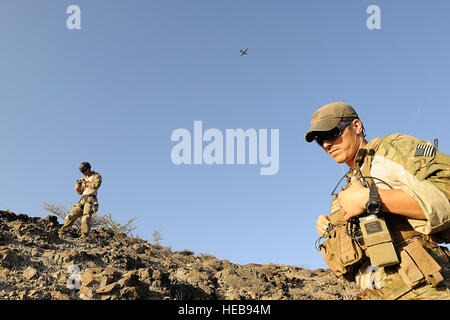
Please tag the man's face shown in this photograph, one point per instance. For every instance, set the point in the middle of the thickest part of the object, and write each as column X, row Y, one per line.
column 344, row 148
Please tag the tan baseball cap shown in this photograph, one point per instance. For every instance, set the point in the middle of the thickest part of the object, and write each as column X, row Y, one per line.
column 328, row 117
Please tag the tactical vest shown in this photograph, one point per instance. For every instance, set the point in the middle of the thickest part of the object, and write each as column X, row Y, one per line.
column 344, row 252
column 398, row 225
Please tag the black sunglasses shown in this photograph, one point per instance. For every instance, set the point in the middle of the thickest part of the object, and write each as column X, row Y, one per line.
column 333, row 134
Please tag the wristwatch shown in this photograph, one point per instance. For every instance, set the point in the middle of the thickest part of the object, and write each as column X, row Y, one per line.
column 373, row 205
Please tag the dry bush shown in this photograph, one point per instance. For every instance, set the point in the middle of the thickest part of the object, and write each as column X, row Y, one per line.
column 97, row 221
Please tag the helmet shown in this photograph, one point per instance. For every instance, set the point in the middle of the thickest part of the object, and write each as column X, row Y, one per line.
column 84, row 166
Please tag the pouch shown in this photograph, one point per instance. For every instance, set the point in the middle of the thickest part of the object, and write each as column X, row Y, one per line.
column 341, row 253
column 417, row 265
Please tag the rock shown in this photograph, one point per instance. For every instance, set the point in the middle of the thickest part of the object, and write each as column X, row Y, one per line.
column 49, row 255
column 185, row 252
column 57, row 295
column 139, row 249
column 4, row 251
column 34, row 294
column 156, row 275
column 23, row 295
column 35, row 252
column 17, row 225
column 108, row 289
column 129, row 293
column 87, row 293
column 29, row 273
column 68, row 255
column 9, row 258
column 195, row 277
column 129, row 279
column 146, row 274
column 90, row 277
column 51, row 220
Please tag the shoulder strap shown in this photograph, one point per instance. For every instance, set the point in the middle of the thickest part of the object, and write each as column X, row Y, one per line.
column 371, row 148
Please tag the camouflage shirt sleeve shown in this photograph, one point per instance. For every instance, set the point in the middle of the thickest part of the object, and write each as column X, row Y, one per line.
column 416, row 167
column 97, row 181
column 79, row 185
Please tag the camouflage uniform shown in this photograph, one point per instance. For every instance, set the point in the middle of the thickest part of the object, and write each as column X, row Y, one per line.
column 416, row 167
column 86, row 207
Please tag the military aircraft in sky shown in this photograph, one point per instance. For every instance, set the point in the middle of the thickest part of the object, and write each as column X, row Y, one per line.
column 243, row 52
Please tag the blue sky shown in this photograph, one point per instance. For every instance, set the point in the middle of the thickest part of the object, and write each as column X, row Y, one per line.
column 113, row 92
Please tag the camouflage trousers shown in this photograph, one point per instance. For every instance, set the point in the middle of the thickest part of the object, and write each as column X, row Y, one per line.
column 393, row 286
column 85, row 208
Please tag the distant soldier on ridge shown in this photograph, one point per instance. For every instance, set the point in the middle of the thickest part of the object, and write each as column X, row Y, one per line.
column 87, row 186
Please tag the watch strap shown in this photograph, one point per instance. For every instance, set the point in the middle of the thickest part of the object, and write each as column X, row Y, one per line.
column 374, row 203
column 373, row 194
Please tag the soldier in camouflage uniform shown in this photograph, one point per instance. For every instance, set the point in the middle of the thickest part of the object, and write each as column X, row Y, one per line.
column 413, row 182
column 87, row 186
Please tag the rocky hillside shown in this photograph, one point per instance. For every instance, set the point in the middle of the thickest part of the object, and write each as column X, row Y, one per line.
column 35, row 263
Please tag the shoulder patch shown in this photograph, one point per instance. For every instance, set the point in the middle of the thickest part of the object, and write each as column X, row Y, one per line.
column 424, row 150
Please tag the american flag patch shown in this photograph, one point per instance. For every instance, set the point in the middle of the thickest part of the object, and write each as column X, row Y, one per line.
column 424, row 150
